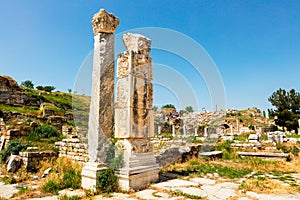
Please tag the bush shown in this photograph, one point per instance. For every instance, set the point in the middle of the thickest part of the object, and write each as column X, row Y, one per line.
column 72, row 179
column 227, row 150
column 14, row 147
column 46, row 131
column 28, row 84
column 64, row 174
column 107, row 181
column 51, row 186
column 9, row 179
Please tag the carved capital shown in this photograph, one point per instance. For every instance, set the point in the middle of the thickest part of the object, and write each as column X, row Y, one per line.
column 104, row 22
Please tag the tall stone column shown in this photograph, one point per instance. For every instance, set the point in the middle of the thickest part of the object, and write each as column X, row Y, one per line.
column 134, row 123
column 101, row 119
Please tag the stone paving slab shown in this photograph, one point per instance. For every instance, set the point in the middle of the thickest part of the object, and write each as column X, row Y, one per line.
column 174, row 183
column 114, row 196
column 273, row 196
column 150, row 194
column 203, row 181
column 7, row 191
column 46, row 198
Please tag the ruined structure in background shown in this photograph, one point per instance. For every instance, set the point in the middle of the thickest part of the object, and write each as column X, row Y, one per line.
column 133, row 113
column 101, row 120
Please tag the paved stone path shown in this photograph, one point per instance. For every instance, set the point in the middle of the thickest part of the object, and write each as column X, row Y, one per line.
column 7, row 191
column 175, row 189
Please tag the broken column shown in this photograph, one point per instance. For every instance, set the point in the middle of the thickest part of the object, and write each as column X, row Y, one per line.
column 134, row 123
column 101, row 120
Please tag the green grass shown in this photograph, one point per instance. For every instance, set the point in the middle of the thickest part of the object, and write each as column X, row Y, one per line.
column 180, row 193
column 23, row 109
column 201, row 169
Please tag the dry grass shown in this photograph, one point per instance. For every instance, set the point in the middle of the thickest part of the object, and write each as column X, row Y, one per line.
column 268, row 186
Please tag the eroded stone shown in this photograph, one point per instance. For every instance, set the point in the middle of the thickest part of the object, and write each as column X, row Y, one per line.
column 104, row 22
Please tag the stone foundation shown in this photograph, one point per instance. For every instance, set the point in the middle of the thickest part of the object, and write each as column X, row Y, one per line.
column 31, row 160
column 73, row 149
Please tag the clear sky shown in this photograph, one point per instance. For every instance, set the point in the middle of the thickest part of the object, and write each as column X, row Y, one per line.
column 255, row 44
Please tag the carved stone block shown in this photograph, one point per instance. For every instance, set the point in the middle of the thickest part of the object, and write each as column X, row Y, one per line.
column 104, row 22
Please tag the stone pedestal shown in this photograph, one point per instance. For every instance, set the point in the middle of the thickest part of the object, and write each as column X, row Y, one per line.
column 101, row 119
column 134, row 123
column 89, row 174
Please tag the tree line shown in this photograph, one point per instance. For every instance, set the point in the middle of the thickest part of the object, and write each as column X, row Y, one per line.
column 286, row 111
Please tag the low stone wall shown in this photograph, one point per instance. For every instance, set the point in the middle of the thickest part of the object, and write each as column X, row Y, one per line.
column 73, row 148
column 31, row 160
column 179, row 154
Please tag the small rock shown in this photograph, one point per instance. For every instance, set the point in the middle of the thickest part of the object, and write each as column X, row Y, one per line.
column 14, row 163
column 46, row 172
column 32, row 148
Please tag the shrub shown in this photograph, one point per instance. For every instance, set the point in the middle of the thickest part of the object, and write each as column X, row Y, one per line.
column 72, row 179
column 14, row 147
column 64, row 174
column 28, row 84
column 46, row 131
column 9, row 179
column 107, row 181
column 51, row 186
column 227, row 150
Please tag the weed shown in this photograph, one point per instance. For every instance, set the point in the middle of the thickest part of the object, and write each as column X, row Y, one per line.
column 66, row 197
column 227, row 150
column 9, row 179
column 72, row 179
column 180, row 193
column 107, row 181
column 264, row 186
column 64, row 174
column 51, row 186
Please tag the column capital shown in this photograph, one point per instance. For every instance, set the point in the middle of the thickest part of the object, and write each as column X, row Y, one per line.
column 104, row 22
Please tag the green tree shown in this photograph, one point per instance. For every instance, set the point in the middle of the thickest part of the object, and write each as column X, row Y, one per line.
column 69, row 90
column 181, row 112
column 49, row 88
column 287, row 108
column 168, row 106
column 189, row 109
column 28, row 84
column 39, row 87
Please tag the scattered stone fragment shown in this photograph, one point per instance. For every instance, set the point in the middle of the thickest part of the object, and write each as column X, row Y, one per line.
column 7, row 191
column 46, row 172
column 14, row 163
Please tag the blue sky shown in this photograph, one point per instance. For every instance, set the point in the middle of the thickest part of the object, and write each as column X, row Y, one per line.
column 254, row 44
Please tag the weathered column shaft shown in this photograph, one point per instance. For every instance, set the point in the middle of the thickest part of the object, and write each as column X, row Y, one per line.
column 101, row 120
column 102, row 96
column 134, row 123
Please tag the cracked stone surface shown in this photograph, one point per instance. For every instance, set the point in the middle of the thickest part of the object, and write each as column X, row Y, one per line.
column 7, row 191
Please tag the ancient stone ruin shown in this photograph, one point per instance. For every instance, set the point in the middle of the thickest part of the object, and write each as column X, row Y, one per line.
column 133, row 109
column 102, row 96
column 133, row 113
